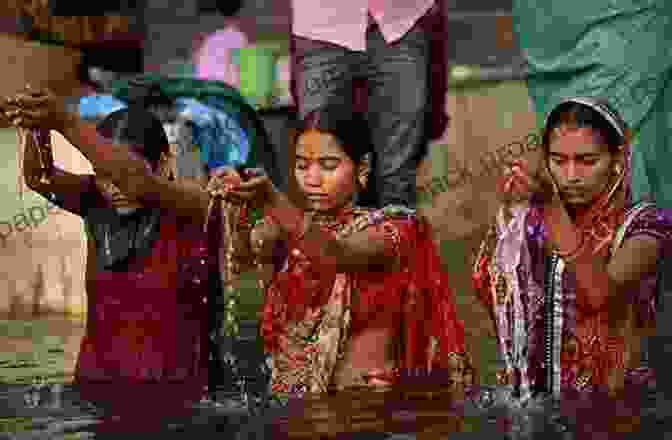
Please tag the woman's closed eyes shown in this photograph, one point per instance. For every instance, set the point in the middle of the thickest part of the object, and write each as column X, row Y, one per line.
column 328, row 164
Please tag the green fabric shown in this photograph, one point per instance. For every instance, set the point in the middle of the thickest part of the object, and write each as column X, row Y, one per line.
column 212, row 93
column 181, row 87
column 618, row 49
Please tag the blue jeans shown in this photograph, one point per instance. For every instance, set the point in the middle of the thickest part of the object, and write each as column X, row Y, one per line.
column 397, row 77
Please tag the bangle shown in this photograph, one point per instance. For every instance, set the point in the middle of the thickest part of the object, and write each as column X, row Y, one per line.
column 571, row 256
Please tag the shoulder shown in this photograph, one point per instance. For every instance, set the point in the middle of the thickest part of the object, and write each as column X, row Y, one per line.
column 647, row 219
column 396, row 219
column 395, row 214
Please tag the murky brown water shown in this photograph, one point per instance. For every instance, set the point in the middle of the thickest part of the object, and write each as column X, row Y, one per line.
column 47, row 347
column 43, row 346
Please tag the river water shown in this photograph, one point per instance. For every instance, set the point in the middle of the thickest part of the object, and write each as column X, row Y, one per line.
column 56, row 412
column 38, row 400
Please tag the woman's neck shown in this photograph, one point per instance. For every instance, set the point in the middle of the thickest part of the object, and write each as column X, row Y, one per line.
column 576, row 211
column 331, row 214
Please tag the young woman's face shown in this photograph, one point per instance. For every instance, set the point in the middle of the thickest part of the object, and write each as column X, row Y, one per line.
column 581, row 164
column 326, row 175
column 113, row 194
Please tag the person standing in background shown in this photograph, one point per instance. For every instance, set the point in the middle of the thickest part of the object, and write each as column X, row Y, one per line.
column 337, row 45
column 213, row 53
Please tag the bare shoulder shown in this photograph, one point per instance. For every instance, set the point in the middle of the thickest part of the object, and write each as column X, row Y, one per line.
column 647, row 220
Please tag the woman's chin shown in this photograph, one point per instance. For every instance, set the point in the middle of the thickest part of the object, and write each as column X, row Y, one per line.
column 575, row 200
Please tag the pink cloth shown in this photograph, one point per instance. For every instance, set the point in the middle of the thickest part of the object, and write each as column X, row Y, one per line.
column 214, row 60
column 344, row 22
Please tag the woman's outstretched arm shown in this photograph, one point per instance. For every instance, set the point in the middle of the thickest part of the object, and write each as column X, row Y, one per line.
column 70, row 190
column 130, row 174
column 114, row 161
column 358, row 251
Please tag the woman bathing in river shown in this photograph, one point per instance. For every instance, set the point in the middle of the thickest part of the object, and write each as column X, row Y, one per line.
column 358, row 296
column 569, row 269
column 145, row 346
column 334, row 309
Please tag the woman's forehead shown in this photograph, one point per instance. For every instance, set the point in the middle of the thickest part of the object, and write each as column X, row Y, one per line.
column 573, row 140
column 314, row 143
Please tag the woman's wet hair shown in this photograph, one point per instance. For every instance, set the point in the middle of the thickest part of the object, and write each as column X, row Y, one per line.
column 575, row 114
column 139, row 127
column 350, row 128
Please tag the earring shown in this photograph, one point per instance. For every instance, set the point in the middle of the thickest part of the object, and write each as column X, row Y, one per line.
column 365, row 170
column 618, row 170
column 363, row 180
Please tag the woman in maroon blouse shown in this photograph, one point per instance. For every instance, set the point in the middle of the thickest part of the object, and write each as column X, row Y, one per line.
column 145, row 347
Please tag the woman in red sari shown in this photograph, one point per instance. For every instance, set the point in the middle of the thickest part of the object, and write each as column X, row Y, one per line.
column 357, row 296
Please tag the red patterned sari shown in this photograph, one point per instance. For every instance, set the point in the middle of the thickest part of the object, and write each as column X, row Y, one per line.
column 547, row 338
column 313, row 320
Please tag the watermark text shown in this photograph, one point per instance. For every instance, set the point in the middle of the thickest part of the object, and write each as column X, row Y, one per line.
column 460, row 174
column 25, row 220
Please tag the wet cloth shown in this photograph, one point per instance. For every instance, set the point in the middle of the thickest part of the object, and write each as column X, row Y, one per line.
column 145, row 346
column 310, row 316
column 547, row 340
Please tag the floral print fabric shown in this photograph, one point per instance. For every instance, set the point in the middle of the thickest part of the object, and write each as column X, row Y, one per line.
column 589, row 355
column 308, row 314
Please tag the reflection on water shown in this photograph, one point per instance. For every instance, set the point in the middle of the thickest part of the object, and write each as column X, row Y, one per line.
column 43, row 349
column 55, row 411
column 37, row 401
